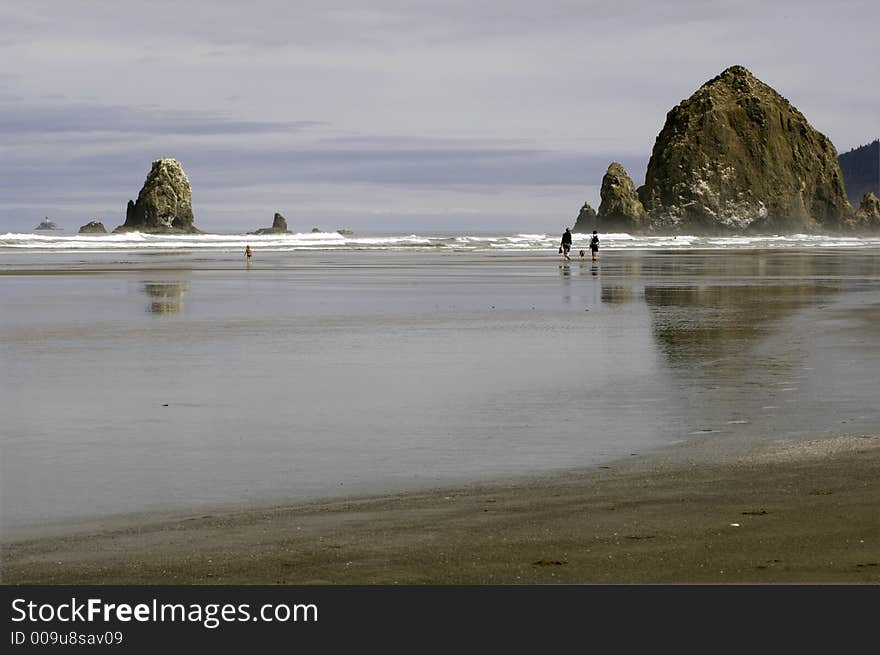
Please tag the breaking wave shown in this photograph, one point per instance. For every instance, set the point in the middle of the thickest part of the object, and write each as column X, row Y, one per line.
column 524, row 242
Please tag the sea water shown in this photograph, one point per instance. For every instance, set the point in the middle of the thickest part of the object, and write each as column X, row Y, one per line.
column 58, row 241
column 178, row 377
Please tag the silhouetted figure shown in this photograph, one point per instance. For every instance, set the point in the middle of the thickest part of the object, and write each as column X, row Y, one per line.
column 566, row 244
column 594, row 246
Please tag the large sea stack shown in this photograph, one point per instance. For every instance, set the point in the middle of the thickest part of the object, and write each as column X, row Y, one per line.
column 164, row 204
column 736, row 156
column 621, row 209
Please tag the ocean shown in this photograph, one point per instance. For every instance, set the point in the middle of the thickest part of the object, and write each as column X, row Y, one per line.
column 59, row 241
column 147, row 374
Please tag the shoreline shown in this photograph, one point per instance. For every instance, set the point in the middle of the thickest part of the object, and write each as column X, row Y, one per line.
column 805, row 512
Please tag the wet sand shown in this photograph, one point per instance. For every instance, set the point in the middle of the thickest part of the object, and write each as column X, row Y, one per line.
column 339, row 424
column 176, row 385
column 801, row 512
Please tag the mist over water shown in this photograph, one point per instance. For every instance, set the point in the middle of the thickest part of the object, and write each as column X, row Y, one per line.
column 140, row 381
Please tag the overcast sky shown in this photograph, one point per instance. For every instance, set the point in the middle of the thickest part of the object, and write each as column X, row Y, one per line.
column 380, row 115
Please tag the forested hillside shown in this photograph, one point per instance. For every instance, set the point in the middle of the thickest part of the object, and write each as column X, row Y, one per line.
column 861, row 171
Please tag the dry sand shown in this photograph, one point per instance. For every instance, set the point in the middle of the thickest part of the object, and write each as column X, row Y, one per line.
column 803, row 512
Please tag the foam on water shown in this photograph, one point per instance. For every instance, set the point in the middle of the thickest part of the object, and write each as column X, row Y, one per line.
column 523, row 242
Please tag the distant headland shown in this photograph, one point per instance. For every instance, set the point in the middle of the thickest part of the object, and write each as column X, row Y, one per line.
column 861, row 171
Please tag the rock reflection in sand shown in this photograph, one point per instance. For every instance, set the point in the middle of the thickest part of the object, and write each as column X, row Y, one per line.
column 165, row 297
column 711, row 324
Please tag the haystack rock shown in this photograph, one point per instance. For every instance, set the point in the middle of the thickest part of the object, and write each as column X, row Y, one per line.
column 621, row 208
column 164, row 204
column 586, row 220
column 279, row 226
column 93, row 227
column 737, row 156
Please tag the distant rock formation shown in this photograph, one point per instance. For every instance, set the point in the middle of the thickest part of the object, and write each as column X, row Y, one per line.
column 345, row 232
column 737, row 156
column 621, row 208
column 46, row 224
column 870, row 205
column 867, row 216
column 279, row 226
column 164, row 204
column 316, row 230
column 861, row 171
column 586, row 220
column 93, row 227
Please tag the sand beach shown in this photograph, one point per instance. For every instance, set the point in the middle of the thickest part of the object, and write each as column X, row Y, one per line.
column 424, row 416
column 798, row 513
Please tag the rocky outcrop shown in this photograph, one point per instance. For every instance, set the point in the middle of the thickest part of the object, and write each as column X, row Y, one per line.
column 621, row 208
column 93, row 227
column 279, row 226
column 867, row 216
column 737, row 156
column 46, row 224
column 586, row 220
column 870, row 206
column 164, row 204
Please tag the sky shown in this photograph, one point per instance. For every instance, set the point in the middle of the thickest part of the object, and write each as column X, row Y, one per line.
column 399, row 116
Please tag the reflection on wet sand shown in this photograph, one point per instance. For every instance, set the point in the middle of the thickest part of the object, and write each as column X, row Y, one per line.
column 565, row 272
column 656, row 349
column 165, row 297
column 698, row 322
column 703, row 324
column 618, row 294
column 715, row 335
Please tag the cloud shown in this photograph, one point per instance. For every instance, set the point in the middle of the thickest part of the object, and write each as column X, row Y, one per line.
column 518, row 103
column 272, row 24
column 398, row 162
column 383, row 180
column 29, row 119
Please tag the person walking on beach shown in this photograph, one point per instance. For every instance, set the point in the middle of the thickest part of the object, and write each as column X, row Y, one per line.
column 566, row 244
column 594, row 245
column 248, row 253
